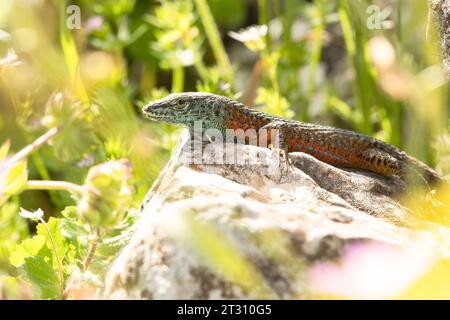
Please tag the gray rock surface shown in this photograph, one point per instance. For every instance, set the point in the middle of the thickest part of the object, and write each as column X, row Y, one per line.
column 227, row 231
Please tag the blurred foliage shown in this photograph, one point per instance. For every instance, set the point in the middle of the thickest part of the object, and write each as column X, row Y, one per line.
column 81, row 89
column 108, row 196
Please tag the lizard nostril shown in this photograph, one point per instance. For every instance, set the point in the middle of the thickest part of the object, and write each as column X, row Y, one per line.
column 148, row 108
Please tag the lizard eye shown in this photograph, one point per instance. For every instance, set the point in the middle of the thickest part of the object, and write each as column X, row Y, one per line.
column 180, row 103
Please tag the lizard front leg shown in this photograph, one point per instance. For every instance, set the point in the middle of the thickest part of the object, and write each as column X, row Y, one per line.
column 277, row 130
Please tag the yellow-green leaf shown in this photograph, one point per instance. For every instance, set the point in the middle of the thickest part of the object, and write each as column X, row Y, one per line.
column 58, row 239
column 15, row 179
column 28, row 248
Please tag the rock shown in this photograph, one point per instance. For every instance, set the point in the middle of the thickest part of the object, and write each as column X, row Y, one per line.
column 239, row 231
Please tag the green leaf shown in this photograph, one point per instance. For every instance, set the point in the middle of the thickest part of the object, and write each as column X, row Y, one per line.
column 74, row 141
column 70, row 212
column 13, row 229
column 77, row 237
column 61, row 246
column 111, row 245
column 27, row 248
column 14, row 179
column 119, row 237
column 4, row 150
column 74, row 231
column 42, row 276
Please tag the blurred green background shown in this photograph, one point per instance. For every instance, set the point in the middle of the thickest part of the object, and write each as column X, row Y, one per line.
column 86, row 68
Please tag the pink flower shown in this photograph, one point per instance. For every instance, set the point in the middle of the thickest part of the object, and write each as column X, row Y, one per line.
column 369, row 271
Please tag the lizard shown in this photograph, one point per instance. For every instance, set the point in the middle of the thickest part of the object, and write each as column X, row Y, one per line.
column 335, row 146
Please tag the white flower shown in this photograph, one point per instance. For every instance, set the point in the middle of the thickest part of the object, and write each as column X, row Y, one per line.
column 252, row 37
column 4, row 36
column 35, row 215
column 186, row 57
column 10, row 60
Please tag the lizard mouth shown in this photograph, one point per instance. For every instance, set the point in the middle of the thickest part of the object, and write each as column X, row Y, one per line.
column 154, row 116
column 158, row 117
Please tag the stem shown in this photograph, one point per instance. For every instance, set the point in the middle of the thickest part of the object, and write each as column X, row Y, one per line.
column 347, row 29
column 264, row 18
column 90, row 255
column 398, row 24
column 33, row 146
column 12, row 94
column 214, row 39
column 61, row 276
column 354, row 42
column 315, row 57
column 277, row 9
column 201, row 68
column 178, row 79
column 70, row 52
column 289, row 10
column 41, row 168
column 253, row 85
column 54, row 185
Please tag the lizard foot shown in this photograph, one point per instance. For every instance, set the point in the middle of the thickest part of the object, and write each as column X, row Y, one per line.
column 283, row 164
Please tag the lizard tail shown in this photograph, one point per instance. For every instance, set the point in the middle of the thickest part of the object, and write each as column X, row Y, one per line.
column 430, row 176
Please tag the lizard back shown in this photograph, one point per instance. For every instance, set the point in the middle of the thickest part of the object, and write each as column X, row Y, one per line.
column 338, row 147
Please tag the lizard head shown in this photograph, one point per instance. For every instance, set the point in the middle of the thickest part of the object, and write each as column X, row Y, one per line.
column 187, row 107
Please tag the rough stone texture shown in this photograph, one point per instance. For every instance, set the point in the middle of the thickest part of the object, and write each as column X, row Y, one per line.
column 441, row 11
column 269, row 227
